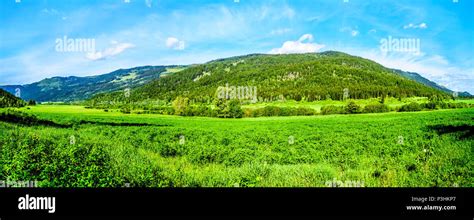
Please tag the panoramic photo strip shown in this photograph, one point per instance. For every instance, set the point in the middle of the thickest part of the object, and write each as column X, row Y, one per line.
column 237, row 95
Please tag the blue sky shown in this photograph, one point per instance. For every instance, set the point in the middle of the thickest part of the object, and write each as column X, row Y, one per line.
column 162, row 32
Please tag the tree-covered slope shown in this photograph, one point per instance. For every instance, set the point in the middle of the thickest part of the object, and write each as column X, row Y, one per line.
column 9, row 100
column 74, row 88
column 312, row 76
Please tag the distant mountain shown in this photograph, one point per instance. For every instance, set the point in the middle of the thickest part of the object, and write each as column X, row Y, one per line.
column 465, row 94
column 72, row 88
column 311, row 76
column 9, row 100
column 417, row 77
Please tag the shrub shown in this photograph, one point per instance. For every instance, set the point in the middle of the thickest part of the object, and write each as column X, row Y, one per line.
column 235, row 111
column 278, row 111
column 376, row 108
column 31, row 102
column 228, row 109
column 305, row 111
column 412, row 107
column 332, row 109
column 457, row 105
column 429, row 105
column 352, row 108
column 180, row 105
column 125, row 110
column 443, row 105
column 271, row 111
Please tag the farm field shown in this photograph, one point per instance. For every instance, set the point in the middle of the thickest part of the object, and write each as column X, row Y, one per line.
column 93, row 148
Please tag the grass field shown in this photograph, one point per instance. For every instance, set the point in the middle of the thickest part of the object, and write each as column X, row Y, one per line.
column 98, row 149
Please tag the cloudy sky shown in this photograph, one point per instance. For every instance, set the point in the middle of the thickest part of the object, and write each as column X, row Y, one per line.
column 37, row 37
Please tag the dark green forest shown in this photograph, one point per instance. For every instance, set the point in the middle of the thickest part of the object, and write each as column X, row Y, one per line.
column 300, row 77
column 9, row 100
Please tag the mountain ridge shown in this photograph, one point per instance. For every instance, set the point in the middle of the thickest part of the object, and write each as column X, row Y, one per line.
column 310, row 77
column 74, row 88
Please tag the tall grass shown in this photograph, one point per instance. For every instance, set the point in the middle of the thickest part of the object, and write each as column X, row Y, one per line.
column 114, row 149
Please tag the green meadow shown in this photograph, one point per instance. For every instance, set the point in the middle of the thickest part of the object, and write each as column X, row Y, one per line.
column 92, row 148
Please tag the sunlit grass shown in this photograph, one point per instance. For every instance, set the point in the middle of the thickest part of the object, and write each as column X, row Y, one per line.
column 242, row 152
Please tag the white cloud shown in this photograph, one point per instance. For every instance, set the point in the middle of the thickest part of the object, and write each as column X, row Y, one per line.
column 298, row 46
column 280, row 31
column 354, row 33
column 372, row 31
column 308, row 37
column 114, row 50
column 175, row 44
column 414, row 26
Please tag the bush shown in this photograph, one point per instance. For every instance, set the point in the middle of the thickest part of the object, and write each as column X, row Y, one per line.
column 125, row 110
column 457, row 105
column 429, row 105
column 31, row 102
column 376, row 108
column 412, row 107
column 268, row 111
column 235, row 111
column 443, row 105
column 226, row 109
column 352, row 108
column 271, row 111
column 332, row 109
column 180, row 105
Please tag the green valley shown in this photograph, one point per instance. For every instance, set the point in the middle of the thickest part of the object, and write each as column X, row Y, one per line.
column 97, row 149
column 343, row 121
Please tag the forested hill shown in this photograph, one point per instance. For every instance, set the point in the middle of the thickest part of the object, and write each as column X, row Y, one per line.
column 312, row 76
column 9, row 100
column 64, row 89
